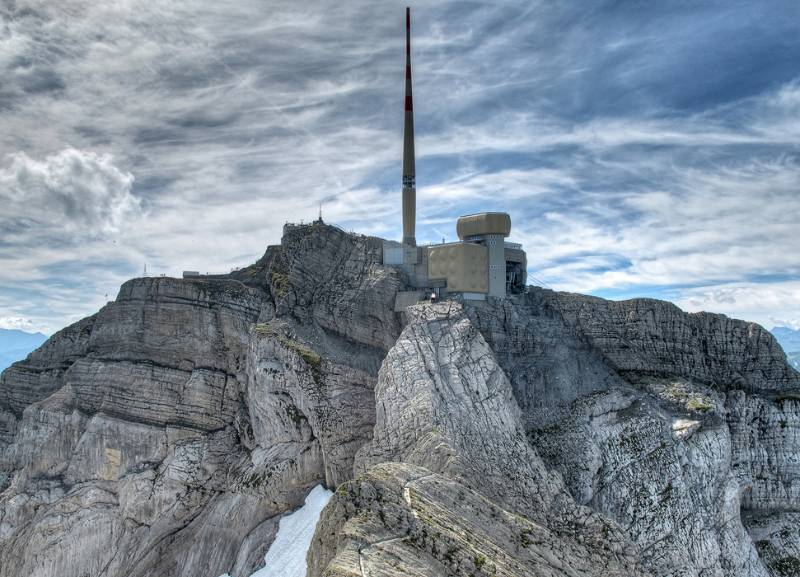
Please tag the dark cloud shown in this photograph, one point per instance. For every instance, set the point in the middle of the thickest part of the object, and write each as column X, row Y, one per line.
column 205, row 119
column 36, row 81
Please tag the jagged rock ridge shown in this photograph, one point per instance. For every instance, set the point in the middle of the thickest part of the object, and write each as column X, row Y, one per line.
column 548, row 434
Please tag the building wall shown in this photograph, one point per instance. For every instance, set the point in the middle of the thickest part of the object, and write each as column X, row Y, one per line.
column 392, row 255
column 464, row 266
column 517, row 260
column 497, row 265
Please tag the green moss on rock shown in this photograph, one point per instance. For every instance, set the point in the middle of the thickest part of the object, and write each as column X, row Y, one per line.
column 312, row 359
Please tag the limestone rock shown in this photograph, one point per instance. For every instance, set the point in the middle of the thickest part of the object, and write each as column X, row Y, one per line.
column 156, row 438
column 765, row 435
column 662, row 472
column 777, row 541
column 400, row 519
column 547, row 434
column 656, row 337
column 324, row 275
column 443, row 403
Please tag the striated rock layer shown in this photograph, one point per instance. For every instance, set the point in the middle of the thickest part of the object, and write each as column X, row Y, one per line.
column 168, row 433
column 445, row 406
column 545, row 434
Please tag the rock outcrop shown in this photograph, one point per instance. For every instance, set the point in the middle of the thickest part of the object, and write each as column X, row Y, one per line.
column 166, row 434
column 399, row 519
column 545, row 434
column 445, row 406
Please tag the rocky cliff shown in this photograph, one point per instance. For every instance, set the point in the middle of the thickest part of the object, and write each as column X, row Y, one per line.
column 547, row 434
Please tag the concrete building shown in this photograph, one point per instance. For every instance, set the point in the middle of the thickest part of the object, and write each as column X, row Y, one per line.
column 482, row 264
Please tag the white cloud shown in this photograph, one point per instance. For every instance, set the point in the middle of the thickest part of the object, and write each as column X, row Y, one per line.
column 700, row 226
column 760, row 302
column 236, row 116
column 18, row 323
column 73, row 193
column 788, row 323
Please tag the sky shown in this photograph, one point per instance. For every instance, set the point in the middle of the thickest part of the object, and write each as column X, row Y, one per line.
column 642, row 148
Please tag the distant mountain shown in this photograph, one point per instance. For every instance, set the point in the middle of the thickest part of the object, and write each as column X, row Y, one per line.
column 789, row 339
column 15, row 345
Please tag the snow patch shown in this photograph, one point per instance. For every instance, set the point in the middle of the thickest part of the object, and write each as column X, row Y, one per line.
column 287, row 554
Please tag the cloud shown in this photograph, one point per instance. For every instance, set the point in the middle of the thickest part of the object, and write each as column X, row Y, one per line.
column 793, row 324
column 73, row 193
column 724, row 222
column 768, row 303
column 62, row 227
column 18, row 323
column 639, row 147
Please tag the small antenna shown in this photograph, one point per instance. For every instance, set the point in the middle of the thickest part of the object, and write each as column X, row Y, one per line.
column 320, row 211
column 145, row 269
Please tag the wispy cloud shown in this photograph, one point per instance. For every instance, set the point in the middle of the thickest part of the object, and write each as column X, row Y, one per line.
column 769, row 303
column 641, row 148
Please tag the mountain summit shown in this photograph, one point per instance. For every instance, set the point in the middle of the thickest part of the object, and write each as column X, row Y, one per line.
column 544, row 433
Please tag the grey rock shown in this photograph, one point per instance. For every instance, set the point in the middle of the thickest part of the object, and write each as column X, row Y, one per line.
column 399, row 519
column 445, row 404
column 168, row 433
column 777, row 541
column 656, row 337
column 545, row 434
column 662, row 472
column 765, row 436
column 324, row 276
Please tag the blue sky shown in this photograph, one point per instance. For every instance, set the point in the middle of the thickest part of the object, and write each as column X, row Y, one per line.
column 642, row 148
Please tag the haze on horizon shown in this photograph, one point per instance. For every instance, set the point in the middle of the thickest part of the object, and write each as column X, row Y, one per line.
column 642, row 149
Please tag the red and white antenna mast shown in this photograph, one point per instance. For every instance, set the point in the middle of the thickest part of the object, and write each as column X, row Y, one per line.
column 409, row 170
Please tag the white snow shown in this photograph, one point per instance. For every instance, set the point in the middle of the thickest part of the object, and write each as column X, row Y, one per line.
column 287, row 554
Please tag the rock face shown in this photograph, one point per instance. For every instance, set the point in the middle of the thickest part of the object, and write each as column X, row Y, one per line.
column 168, row 433
column 545, row 434
column 445, row 405
column 398, row 519
column 675, row 426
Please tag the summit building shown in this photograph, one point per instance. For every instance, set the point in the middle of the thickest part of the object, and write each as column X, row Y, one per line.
column 481, row 264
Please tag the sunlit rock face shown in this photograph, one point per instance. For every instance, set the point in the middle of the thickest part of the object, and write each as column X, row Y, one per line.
column 545, row 434
column 446, row 407
column 674, row 425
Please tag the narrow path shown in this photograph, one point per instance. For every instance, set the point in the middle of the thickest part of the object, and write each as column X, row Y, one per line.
column 407, row 498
